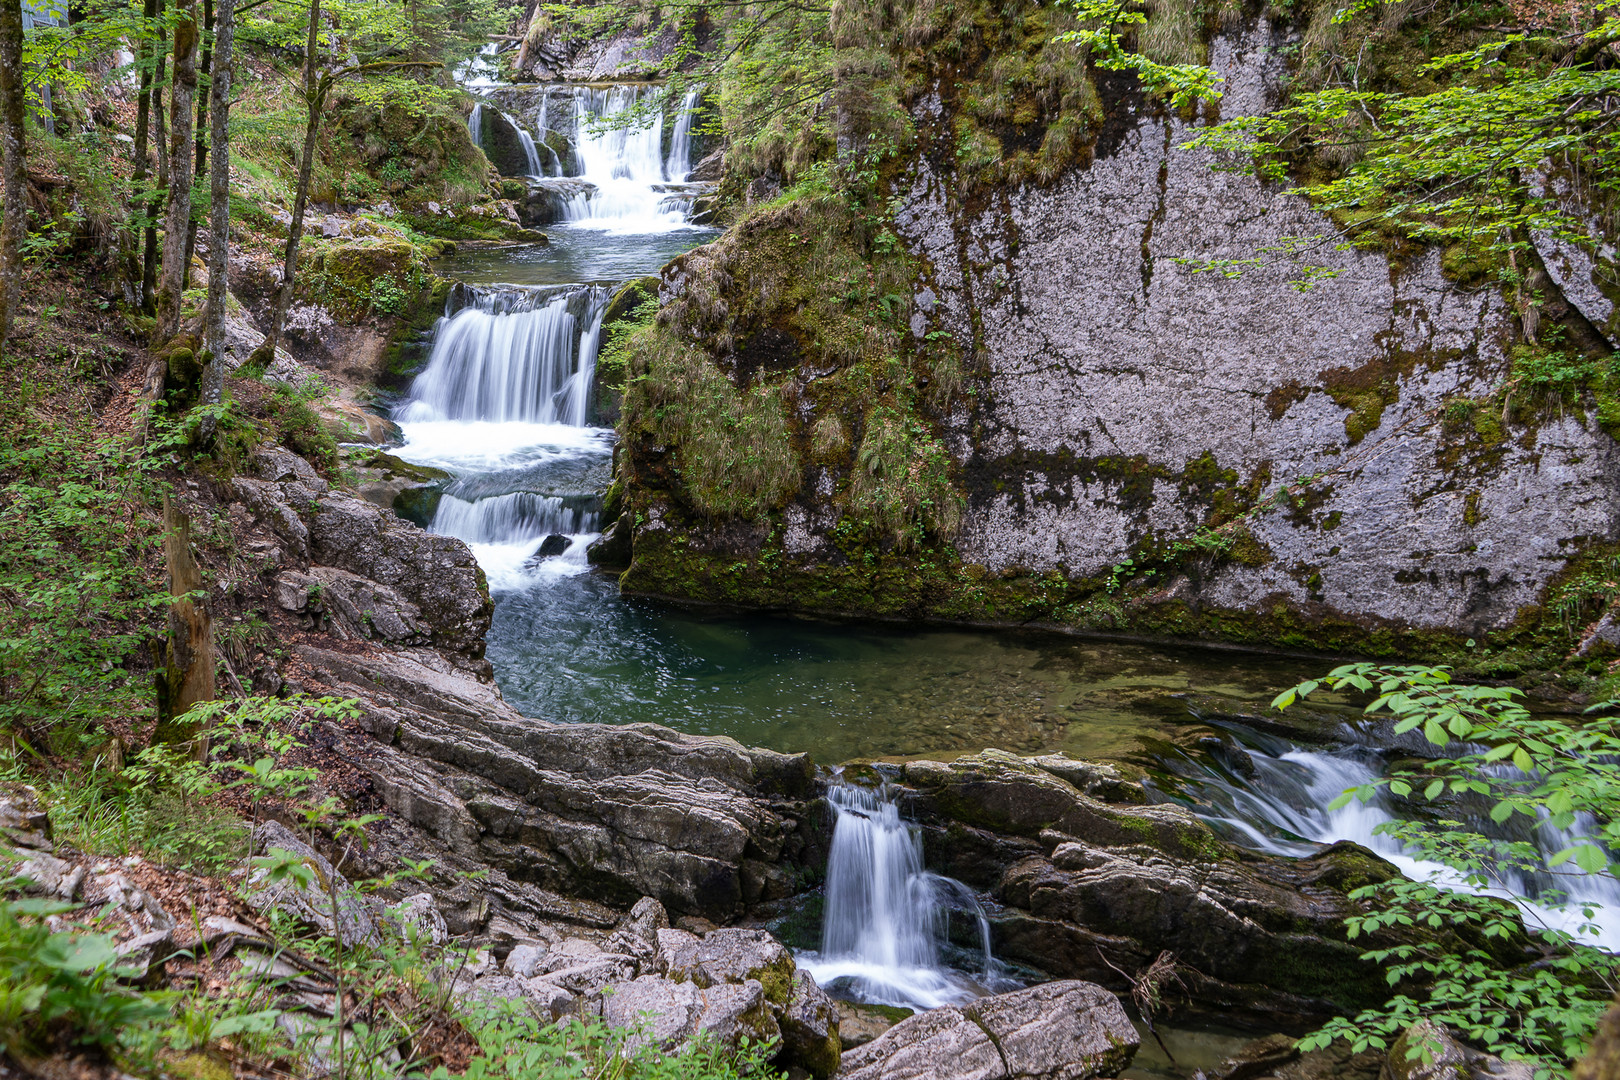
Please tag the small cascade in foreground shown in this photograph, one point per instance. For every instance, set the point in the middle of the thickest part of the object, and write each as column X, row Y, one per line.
column 512, row 354
column 887, row 918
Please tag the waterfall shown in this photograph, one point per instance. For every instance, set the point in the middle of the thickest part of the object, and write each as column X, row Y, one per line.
column 1282, row 808
column 475, row 123
column 512, row 354
column 517, row 517
column 530, row 155
column 680, row 143
column 542, row 129
column 622, row 158
column 886, row 917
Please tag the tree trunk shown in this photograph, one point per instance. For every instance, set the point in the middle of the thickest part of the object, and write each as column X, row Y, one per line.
column 219, row 220
column 188, row 671
column 13, row 148
column 143, row 157
column 160, row 139
column 313, row 99
column 177, row 222
column 200, row 145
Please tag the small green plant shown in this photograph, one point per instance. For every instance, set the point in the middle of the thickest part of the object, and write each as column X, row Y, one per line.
column 59, row 991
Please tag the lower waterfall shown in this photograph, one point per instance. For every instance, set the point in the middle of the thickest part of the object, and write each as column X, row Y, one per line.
column 887, row 919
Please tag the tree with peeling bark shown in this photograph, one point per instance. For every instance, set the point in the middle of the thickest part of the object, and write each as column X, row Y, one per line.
column 177, row 221
column 13, row 148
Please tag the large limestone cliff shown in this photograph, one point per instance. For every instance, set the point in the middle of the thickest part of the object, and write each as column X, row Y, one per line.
column 1146, row 376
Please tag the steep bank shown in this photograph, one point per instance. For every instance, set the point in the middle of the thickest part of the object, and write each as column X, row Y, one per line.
column 1024, row 402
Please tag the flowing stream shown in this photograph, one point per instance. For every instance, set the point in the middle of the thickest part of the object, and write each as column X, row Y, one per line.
column 887, row 919
column 505, row 403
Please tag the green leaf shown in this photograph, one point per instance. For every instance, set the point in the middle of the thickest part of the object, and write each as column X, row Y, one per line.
column 1434, row 789
column 1521, row 760
column 1501, row 811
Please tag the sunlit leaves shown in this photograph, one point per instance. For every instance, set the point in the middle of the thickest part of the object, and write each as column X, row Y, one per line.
column 1105, row 22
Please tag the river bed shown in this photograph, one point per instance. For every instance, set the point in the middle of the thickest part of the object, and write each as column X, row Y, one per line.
column 506, row 405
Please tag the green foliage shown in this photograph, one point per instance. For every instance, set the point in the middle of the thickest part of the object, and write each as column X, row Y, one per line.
column 163, row 804
column 1104, row 22
column 1563, row 775
column 76, row 595
column 734, row 458
column 514, row 1045
column 1462, row 157
column 901, row 480
column 58, row 991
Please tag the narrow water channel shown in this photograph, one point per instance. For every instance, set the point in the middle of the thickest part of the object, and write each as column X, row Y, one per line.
column 505, row 404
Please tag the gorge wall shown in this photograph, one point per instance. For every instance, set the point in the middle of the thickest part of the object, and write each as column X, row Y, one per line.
column 1079, row 412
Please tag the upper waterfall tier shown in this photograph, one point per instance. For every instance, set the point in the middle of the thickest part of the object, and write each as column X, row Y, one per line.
column 512, row 354
column 625, row 157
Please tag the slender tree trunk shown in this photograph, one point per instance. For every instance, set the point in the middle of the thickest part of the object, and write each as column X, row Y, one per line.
column 177, row 222
column 13, row 148
column 188, row 671
column 199, row 150
column 160, row 139
column 219, row 219
column 143, row 155
column 313, row 99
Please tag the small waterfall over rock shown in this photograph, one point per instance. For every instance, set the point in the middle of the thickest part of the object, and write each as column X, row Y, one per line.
column 513, row 518
column 475, row 123
column 680, row 142
column 512, row 354
column 530, row 154
column 887, row 918
column 503, row 403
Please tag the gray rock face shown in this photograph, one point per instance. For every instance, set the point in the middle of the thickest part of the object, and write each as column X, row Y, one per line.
column 1129, row 394
column 615, row 813
column 668, row 1013
column 362, row 568
column 310, row 904
column 1080, row 880
column 728, row 955
column 1104, row 348
column 1055, row 1031
column 435, row 573
column 810, row 1024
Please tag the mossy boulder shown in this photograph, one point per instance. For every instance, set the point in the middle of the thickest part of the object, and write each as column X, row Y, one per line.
column 382, row 274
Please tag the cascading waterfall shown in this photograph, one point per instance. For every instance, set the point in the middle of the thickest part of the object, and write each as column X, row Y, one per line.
column 475, row 123
column 624, row 163
column 542, row 129
column 680, row 143
column 514, row 518
column 513, row 354
column 1283, row 809
column 508, row 385
column 886, row 917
